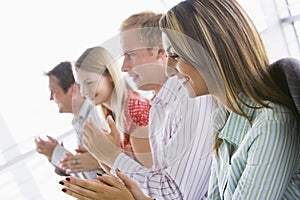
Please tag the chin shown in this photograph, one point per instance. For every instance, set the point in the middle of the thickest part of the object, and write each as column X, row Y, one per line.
column 145, row 87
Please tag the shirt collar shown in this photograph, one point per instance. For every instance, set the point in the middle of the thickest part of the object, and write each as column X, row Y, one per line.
column 237, row 126
column 171, row 91
column 84, row 110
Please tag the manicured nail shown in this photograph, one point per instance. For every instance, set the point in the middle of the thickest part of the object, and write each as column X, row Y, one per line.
column 99, row 174
column 68, row 179
column 64, row 190
column 60, row 182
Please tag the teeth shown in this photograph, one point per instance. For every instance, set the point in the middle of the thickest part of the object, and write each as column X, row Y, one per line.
column 184, row 80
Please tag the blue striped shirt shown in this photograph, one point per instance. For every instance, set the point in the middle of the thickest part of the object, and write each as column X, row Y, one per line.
column 265, row 162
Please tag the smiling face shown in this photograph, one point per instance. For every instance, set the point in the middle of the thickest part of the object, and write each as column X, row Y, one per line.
column 97, row 87
column 61, row 98
column 186, row 73
column 146, row 66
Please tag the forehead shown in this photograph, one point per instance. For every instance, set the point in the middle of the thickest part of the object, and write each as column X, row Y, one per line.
column 130, row 40
column 166, row 43
column 83, row 75
column 53, row 82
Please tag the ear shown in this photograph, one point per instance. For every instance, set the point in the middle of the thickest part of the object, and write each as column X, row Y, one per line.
column 110, row 78
column 76, row 89
column 161, row 52
column 72, row 89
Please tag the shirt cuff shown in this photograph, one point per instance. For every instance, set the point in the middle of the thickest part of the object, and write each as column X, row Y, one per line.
column 58, row 154
column 126, row 164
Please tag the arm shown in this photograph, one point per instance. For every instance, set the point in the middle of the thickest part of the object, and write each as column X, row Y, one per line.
column 140, row 144
column 158, row 182
column 53, row 151
column 190, row 135
column 272, row 160
column 98, row 142
column 136, row 124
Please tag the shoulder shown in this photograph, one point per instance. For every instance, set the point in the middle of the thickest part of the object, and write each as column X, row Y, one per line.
column 138, row 107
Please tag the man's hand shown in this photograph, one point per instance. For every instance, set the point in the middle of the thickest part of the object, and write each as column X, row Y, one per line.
column 79, row 163
column 104, row 146
column 46, row 147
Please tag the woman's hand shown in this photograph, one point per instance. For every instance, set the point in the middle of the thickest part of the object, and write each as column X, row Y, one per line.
column 104, row 146
column 106, row 187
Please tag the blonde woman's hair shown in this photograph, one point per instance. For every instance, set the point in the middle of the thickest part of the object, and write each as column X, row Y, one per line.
column 99, row 60
column 221, row 40
column 147, row 23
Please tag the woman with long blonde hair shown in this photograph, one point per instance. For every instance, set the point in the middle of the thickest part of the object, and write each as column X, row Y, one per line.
column 100, row 78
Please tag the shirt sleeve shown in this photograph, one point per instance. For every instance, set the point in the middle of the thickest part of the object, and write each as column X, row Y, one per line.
column 136, row 112
column 186, row 128
column 155, row 183
column 213, row 189
column 272, row 159
column 58, row 154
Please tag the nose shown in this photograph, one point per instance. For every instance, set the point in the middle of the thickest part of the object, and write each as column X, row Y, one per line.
column 125, row 66
column 83, row 91
column 51, row 96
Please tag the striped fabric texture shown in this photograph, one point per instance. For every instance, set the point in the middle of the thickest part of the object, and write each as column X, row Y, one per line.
column 180, row 132
column 258, row 159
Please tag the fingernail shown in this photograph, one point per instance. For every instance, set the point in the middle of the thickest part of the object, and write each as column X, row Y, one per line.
column 68, row 179
column 99, row 174
column 60, row 182
column 64, row 190
column 118, row 170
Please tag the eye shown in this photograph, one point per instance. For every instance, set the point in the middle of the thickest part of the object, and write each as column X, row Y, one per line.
column 89, row 82
column 128, row 55
column 173, row 56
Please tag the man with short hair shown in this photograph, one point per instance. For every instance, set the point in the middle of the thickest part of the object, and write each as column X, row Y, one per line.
column 180, row 128
column 66, row 94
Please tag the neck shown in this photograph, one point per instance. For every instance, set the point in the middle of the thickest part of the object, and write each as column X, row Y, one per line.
column 77, row 103
column 157, row 89
column 107, row 104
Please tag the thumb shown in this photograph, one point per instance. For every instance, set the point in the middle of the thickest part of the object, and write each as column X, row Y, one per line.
column 112, row 125
column 51, row 138
column 80, row 149
column 130, row 184
column 68, row 155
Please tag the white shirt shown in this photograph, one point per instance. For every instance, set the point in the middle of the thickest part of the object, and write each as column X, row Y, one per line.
column 87, row 110
column 181, row 137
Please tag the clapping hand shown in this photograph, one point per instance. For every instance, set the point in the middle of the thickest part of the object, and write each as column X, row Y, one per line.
column 103, row 145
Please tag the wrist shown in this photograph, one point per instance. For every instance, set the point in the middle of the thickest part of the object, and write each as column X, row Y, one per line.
column 113, row 157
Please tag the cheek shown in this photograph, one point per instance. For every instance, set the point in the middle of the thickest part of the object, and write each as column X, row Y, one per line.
column 104, row 87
